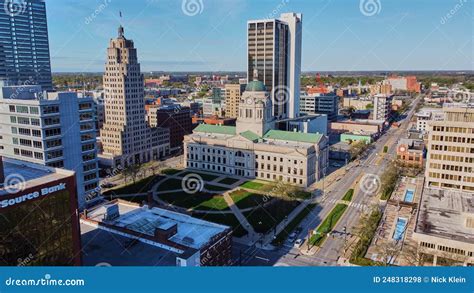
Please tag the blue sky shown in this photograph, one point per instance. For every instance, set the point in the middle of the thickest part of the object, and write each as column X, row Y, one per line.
column 337, row 35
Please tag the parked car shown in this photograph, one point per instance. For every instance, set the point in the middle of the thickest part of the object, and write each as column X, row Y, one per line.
column 298, row 243
column 108, row 185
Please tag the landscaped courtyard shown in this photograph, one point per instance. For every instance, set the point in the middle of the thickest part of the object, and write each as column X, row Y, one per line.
column 217, row 198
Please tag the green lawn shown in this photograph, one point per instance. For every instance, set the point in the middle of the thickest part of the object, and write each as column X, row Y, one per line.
column 280, row 239
column 228, row 181
column 170, row 184
column 244, row 199
column 198, row 201
column 224, row 219
column 142, row 186
column 348, row 196
column 256, row 186
column 170, row 171
column 265, row 219
column 301, row 194
column 328, row 224
column 216, row 188
column 205, row 177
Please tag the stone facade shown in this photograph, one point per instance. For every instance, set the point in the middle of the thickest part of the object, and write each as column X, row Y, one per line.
column 126, row 137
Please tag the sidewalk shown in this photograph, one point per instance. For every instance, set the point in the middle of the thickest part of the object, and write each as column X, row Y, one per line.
column 252, row 235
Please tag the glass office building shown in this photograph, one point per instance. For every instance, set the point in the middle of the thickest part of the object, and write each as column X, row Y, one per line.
column 39, row 224
column 24, row 45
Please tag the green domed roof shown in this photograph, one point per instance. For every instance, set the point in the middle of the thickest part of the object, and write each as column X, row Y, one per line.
column 255, row 86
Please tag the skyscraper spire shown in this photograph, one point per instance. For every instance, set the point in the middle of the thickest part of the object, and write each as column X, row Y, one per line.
column 120, row 31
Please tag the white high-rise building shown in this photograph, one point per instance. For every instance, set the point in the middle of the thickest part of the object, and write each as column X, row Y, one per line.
column 295, row 40
column 52, row 129
column 274, row 51
column 126, row 137
column 382, row 107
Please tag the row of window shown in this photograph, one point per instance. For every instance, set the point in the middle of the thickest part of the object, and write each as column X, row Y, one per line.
column 452, row 158
column 455, row 168
column 28, row 154
column 240, row 172
column 24, row 109
column 449, row 148
column 453, row 129
column 24, row 121
column 452, row 139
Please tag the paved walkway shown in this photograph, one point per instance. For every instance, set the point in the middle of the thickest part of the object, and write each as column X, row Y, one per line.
column 238, row 214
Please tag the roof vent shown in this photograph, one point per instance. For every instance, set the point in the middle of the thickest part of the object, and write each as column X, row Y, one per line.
column 188, row 240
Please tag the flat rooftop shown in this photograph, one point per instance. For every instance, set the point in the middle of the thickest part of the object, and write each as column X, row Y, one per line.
column 30, row 174
column 191, row 232
column 445, row 213
column 101, row 247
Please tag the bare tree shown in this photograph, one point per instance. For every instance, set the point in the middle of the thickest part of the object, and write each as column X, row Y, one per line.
column 132, row 171
column 389, row 251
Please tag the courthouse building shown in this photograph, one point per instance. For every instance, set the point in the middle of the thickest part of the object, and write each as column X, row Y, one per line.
column 254, row 149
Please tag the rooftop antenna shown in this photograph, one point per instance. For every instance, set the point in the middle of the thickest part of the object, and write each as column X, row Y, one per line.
column 121, row 31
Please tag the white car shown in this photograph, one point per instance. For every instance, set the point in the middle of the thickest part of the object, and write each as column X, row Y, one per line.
column 298, row 243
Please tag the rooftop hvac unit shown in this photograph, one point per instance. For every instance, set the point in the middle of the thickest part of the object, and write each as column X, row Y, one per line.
column 188, row 240
column 111, row 212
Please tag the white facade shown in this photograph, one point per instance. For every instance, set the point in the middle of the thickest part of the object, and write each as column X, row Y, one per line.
column 427, row 115
column 295, row 25
column 51, row 129
column 126, row 137
column 253, row 149
column 382, row 107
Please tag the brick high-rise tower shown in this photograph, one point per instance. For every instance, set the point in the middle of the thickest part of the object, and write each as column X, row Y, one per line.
column 126, row 137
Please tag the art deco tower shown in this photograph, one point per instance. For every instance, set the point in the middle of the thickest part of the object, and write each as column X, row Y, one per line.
column 126, row 137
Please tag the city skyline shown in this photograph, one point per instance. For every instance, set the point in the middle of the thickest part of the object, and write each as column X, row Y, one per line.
column 393, row 37
column 132, row 168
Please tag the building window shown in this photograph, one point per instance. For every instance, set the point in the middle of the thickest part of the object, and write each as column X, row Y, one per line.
column 36, row 133
column 34, row 110
column 22, row 109
column 35, row 122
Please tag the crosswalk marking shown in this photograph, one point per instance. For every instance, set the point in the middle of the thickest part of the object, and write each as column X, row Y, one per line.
column 355, row 205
